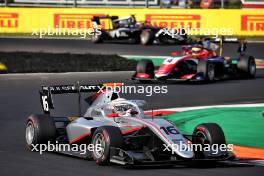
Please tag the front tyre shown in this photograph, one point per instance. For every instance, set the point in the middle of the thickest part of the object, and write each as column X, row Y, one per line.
column 210, row 134
column 103, row 138
column 146, row 66
column 147, row 37
column 39, row 129
column 247, row 67
column 96, row 38
column 207, row 69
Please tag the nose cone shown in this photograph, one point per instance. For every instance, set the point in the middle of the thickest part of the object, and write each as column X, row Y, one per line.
column 174, row 54
column 183, row 149
column 164, row 70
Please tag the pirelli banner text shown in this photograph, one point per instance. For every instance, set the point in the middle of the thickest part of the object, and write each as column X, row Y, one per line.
column 227, row 22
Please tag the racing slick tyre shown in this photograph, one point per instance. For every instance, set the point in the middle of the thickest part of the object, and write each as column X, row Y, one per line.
column 98, row 38
column 147, row 37
column 207, row 69
column 135, row 39
column 145, row 66
column 207, row 133
column 40, row 129
column 247, row 67
column 103, row 138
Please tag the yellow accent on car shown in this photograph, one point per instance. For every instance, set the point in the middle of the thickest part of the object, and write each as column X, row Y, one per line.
column 3, row 67
column 215, row 22
column 195, row 49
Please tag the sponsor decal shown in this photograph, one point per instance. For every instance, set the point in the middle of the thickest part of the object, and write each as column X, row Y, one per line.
column 74, row 21
column 174, row 21
column 8, row 20
column 252, row 23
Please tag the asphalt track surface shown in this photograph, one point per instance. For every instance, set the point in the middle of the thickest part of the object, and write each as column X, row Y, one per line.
column 85, row 46
column 19, row 98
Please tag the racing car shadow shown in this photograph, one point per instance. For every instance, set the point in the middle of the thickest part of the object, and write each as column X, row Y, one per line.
column 194, row 165
column 124, row 42
column 259, row 75
column 184, row 82
column 226, row 81
column 185, row 165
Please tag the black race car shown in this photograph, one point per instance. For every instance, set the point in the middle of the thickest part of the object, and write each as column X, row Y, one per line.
column 128, row 28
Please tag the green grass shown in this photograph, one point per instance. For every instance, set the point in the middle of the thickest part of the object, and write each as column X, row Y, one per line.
column 242, row 126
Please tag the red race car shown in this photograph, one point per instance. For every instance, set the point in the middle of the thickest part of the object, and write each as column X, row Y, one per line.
column 196, row 64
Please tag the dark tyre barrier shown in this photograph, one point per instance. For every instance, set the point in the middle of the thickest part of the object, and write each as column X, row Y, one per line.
column 30, row 62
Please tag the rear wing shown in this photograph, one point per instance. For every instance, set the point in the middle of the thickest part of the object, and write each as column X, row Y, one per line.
column 47, row 91
column 98, row 18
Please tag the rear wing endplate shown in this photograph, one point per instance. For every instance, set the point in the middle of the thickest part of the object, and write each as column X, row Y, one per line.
column 47, row 91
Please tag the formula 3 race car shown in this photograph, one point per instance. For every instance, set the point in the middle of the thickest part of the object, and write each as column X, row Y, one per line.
column 197, row 64
column 125, row 135
column 127, row 28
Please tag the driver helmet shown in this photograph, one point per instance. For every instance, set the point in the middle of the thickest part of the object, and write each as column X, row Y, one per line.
column 196, row 49
column 127, row 21
column 124, row 109
column 131, row 20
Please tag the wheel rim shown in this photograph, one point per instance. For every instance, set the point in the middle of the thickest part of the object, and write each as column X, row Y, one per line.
column 149, row 69
column 99, row 144
column 211, row 72
column 144, row 38
column 203, row 136
column 95, row 37
column 252, row 67
column 30, row 132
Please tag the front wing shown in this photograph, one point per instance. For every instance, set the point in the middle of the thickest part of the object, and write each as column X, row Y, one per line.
column 122, row 157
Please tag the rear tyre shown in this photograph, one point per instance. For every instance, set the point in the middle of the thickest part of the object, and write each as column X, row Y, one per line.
column 147, row 37
column 247, row 67
column 184, row 35
column 207, row 133
column 145, row 66
column 207, row 69
column 40, row 129
column 103, row 138
column 136, row 39
column 98, row 38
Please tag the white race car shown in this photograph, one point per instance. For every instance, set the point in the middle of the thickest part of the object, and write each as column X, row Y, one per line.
column 125, row 135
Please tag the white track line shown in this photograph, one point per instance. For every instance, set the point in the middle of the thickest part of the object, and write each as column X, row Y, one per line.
column 212, row 106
